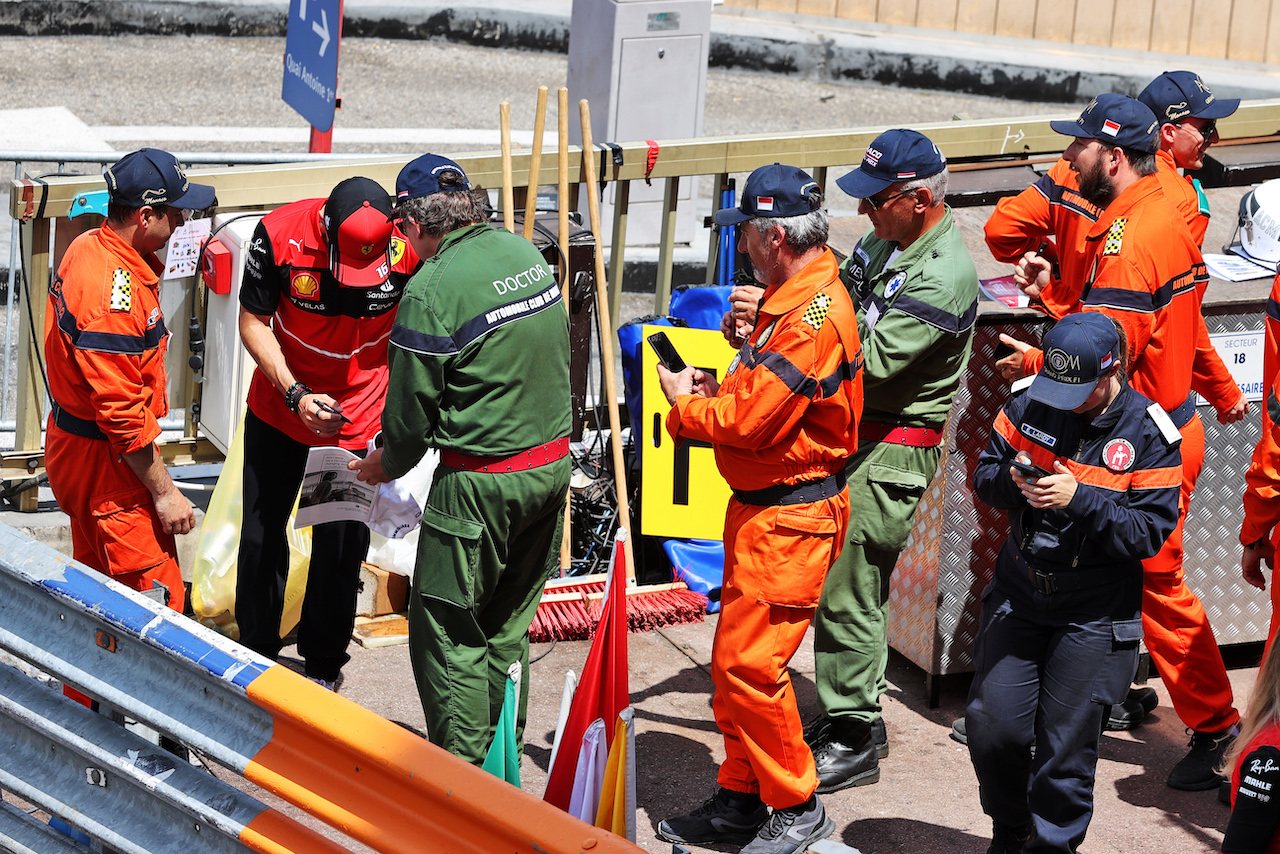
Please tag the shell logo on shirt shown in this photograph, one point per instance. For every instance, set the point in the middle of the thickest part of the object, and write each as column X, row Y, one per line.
column 305, row 286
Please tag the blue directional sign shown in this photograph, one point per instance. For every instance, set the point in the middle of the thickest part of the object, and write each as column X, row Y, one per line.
column 311, row 59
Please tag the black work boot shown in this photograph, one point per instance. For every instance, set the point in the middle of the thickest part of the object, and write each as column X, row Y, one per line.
column 1130, row 713
column 880, row 738
column 726, row 816
column 847, row 756
column 791, row 830
column 1008, row 838
column 818, row 730
column 1198, row 770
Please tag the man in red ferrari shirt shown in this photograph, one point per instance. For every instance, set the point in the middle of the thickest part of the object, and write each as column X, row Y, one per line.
column 322, row 281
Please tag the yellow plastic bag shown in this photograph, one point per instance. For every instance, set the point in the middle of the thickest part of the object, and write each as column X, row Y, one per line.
column 213, row 578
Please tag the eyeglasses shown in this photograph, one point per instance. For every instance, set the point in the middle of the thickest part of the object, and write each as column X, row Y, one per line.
column 1207, row 131
column 877, row 204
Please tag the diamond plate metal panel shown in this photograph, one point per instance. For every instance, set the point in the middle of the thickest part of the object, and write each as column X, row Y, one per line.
column 935, row 595
column 1237, row 612
column 934, row 598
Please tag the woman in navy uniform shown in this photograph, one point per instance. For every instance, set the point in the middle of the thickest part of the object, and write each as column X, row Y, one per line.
column 1061, row 618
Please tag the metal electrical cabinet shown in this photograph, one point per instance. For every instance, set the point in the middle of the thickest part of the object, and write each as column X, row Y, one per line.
column 228, row 366
column 642, row 66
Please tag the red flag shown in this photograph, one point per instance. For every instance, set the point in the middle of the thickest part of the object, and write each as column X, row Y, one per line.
column 602, row 690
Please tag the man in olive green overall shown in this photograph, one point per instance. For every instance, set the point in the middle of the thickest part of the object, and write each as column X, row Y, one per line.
column 915, row 290
column 479, row 362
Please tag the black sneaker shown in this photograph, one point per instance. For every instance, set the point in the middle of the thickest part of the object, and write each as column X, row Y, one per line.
column 1198, row 770
column 1008, row 838
column 726, row 816
column 793, row 829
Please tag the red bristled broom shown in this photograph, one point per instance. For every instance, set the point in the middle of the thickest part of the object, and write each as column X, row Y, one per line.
column 570, row 607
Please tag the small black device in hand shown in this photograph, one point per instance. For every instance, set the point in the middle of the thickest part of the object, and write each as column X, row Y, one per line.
column 666, row 351
column 1028, row 470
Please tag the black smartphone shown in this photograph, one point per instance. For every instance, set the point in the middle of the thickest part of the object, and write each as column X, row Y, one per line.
column 1028, row 470
column 1002, row 350
column 666, row 351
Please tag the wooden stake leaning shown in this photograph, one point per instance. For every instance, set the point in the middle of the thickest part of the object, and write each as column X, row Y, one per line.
column 562, row 238
column 535, row 163
column 606, row 342
column 508, row 192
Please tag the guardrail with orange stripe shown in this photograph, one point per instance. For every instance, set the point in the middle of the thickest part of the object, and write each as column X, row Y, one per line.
column 369, row 779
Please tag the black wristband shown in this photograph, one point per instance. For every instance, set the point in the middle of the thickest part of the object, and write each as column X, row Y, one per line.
column 294, row 395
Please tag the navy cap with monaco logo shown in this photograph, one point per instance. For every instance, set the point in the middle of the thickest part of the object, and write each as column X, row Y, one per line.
column 774, row 191
column 896, row 155
column 1175, row 95
column 150, row 177
column 423, row 175
column 357, row 219
column 1078, row 350
column 1115, row 120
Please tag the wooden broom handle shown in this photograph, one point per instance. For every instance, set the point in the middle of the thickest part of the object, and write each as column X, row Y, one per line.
column 606, row 342
column 535, row 163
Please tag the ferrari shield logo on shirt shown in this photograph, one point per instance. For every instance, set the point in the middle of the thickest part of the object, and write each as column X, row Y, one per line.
column 121, row 290
column 397, row 250
column 305, row 286
column 1118, row 455
column 894, row 285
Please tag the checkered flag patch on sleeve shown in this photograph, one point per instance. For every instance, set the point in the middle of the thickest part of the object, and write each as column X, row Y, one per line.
column 817, row 311
column 121, row 290
column 1115, row 236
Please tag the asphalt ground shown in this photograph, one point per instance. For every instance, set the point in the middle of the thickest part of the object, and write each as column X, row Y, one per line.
column 927, row 798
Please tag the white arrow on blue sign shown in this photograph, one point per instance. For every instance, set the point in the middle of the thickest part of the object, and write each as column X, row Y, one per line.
column 311, row 59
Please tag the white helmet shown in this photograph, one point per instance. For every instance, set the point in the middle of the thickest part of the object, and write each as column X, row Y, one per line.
column 1260, row 223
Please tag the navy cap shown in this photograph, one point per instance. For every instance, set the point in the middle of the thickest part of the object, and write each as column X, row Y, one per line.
column 357, row 218
column 774, row 191
column 421, row 177
column 150, row 177
column 1116, row 120
column 895, row 155
column 1175, row 95
column 1078, row 350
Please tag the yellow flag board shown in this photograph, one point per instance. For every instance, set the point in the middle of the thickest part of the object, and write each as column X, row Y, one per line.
column 684, row 494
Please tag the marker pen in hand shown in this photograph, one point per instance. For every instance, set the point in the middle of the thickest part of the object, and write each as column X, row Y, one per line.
column 332, row 410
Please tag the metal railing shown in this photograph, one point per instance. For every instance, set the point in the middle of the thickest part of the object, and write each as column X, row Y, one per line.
column 356, row 775
column 265, row 185
column 23, row 158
